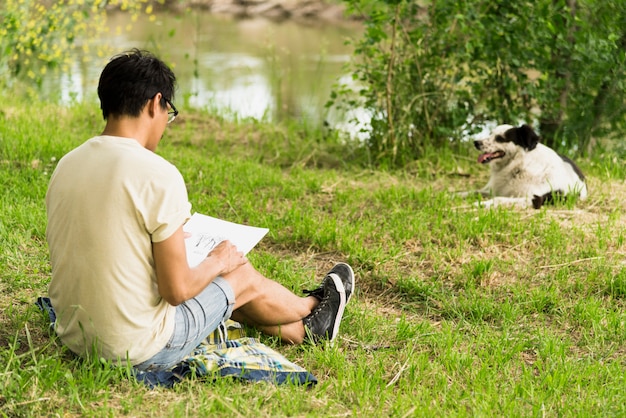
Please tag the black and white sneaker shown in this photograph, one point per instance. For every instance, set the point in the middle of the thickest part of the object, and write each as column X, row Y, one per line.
column 345, row 273
column 333, row 294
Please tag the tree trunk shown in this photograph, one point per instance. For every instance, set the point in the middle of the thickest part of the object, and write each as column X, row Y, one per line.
column 605, row 91
column 550, row 125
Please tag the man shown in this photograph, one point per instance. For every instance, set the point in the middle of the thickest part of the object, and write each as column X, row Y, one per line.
column 121, row 285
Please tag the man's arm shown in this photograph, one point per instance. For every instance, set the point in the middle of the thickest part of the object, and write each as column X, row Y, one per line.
column 178, row 282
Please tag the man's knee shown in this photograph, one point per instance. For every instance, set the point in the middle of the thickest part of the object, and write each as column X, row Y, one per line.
column 246, row 281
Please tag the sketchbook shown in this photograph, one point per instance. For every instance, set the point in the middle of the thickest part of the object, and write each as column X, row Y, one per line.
column 206, row 232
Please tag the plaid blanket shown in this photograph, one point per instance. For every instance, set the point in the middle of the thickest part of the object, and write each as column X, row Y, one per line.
column 225, row 353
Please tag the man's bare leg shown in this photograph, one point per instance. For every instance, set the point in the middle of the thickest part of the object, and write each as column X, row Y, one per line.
column 268, row 305
column 275, row 310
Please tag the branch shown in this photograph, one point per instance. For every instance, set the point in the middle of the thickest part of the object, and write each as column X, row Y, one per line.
column 388, row 87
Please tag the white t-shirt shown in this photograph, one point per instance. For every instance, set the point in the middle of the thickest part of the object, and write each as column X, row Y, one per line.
column 107, row 202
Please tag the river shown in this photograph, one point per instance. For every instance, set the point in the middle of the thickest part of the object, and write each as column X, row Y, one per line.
column 236, row 67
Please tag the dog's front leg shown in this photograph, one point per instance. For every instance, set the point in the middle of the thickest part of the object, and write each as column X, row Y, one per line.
column 484, row 192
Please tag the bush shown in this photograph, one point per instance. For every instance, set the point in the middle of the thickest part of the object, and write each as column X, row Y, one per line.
column 432, row 73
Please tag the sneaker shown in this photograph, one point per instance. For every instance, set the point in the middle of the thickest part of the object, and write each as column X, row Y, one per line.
column 346, row 274
column 323, row 322
column 333, row 294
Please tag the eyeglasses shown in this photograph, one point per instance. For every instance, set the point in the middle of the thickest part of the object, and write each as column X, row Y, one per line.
column 172, row 113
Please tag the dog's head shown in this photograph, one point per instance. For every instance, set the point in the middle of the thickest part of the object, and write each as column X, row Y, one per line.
column 504, row 142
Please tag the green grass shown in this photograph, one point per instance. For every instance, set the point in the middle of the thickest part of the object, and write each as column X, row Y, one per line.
column 458, row 311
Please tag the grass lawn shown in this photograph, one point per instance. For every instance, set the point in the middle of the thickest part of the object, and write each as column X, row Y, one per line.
column 459, row 311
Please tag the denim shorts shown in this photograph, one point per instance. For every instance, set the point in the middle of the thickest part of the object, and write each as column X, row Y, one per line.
column 196, row 318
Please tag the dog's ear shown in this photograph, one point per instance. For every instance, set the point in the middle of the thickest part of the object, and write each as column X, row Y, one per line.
column 523, row 136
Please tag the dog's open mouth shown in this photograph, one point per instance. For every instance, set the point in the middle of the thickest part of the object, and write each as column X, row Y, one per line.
column 488, row 156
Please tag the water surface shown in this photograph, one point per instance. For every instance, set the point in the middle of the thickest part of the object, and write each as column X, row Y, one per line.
column 243, row 68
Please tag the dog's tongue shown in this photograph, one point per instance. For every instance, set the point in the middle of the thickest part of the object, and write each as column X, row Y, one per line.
column 486, row 157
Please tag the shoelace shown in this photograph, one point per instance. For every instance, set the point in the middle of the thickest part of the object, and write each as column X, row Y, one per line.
column 316, row 293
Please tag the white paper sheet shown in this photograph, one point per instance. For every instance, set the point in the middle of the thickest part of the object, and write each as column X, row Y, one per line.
column 206, row 232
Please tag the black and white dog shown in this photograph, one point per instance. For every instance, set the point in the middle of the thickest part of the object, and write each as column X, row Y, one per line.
column 525, row 172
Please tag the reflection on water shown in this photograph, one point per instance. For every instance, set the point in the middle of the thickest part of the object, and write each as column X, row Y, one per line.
column 246, row 93
column 249, row 68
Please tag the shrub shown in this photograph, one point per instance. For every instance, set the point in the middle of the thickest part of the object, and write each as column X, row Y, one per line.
column 434, row 72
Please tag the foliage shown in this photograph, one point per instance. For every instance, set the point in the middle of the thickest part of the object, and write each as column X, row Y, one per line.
column 36, row 36
column 458, row 311
column 434, row 72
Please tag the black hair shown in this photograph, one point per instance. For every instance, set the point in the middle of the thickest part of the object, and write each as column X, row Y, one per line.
column 132, row 78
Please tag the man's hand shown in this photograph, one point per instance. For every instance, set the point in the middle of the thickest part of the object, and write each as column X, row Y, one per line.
column 227, row 254
column 178, row 282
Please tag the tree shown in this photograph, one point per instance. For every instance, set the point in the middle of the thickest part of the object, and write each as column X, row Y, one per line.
column 433, row 73
column 36, row 35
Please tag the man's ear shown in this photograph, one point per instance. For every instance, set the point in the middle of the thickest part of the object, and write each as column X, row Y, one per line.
column 154, row 104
